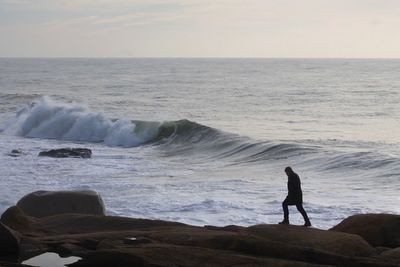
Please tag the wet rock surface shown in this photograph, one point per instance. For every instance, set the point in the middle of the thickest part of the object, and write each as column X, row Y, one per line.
column 67, row 153
column 16, row 153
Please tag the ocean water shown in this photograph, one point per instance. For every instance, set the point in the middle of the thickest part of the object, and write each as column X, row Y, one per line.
column 206, row 141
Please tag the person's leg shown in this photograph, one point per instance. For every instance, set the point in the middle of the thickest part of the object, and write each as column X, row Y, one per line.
column 304, row 214
column 285, row 212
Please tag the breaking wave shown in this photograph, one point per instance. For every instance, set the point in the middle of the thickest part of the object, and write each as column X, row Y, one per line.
column 49, row 118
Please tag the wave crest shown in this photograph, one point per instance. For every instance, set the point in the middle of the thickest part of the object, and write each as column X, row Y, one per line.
column 50, row 119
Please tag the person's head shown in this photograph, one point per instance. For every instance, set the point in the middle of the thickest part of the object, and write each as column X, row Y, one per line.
column 288, row 170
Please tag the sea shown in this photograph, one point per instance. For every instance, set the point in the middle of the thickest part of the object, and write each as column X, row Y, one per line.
column 205, row 141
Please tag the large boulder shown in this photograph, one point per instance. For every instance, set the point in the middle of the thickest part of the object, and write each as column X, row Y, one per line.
column 48, row 203
column 377, row 229
column 67, row 153
column 9, row 241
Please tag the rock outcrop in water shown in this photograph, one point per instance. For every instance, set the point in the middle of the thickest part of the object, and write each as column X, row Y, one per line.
column 16, row 153
column 67, row 153
column 120, row 241
column 47, row 203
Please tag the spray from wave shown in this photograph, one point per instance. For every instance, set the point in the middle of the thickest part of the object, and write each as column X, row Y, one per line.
column 50, row 119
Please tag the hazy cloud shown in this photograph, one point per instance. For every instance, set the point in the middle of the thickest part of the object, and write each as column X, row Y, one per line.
column 259, row 28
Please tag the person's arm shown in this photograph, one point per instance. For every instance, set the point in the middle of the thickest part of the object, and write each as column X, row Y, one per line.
column 294, row 186
column 291, row 186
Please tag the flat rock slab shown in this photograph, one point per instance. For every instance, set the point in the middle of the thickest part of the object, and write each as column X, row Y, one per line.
column 85, row 224
column 109, row 232
column 333, row 242
column 67, row 153
column 169, row 255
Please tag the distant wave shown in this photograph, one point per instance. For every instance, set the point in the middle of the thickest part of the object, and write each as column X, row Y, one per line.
column 51, row 119
column 17, row 98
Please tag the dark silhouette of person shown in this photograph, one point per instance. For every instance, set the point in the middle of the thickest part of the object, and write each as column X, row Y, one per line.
column 294, row 197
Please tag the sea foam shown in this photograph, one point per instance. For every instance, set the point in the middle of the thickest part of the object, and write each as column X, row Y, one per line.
column 51, row 119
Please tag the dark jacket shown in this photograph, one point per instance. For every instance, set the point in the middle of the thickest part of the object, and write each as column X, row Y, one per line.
column 295, row 196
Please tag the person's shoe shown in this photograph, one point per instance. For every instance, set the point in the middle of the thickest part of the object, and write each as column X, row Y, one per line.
column 284, row 222
column 307, row 224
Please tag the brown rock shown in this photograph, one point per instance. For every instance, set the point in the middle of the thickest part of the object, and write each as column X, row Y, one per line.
column 238, row 242
column 97, row 232
column 67, row 249
column 119, row 241
column 48, row 203
column 109, row 244
column 9, row 241
column 15, row 218
column 392, row 254
column 376, row 229
column 167, row 255
column 329, row 241
column 380, row 250
column 177, row 244
column 81, row 224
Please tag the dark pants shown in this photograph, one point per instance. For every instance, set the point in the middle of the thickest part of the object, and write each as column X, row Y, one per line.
column 299, row 207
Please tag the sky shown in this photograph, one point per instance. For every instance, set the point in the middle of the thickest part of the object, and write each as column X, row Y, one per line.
column 200, row 28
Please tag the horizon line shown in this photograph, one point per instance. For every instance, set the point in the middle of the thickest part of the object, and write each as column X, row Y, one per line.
column 171, row 57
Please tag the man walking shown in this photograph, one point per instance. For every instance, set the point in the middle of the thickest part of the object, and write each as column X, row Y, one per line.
column 294, row 197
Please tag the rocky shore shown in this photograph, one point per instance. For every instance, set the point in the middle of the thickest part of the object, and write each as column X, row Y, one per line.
column 80, row 229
